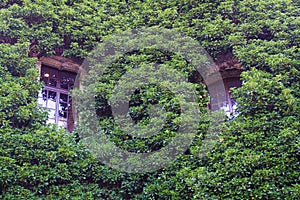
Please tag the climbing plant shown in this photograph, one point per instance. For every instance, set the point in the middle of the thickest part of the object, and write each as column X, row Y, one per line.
column 257, row 155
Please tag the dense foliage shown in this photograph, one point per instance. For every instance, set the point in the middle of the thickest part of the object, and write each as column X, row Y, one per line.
column 258, row 153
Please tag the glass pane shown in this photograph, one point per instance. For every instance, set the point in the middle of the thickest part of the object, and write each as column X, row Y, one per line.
column 62, row 115
column 53, row 81
column 44, row 94
column 67, row 80
column 49, row 76
column 52, row 113
column 62, row 123
column 63, row 105
column 45, row 77
column 71, row 82
column 64, row 82
column 40, row 94
column 234, row 83
column 63, row 98
column 50, row 121
column 42, row 102
column 51, row 100
column 42, row 98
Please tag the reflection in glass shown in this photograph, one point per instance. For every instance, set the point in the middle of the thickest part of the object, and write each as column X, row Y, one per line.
column 63, row 105
column 64, row 82
column 52, row 113
column 45, row 77
column 67, row 80
column 62, row 114
column 44, row 94
column 71, row 83
column 52, row 81
column 42, row 100
column 62, row 123
column 51, row 99
column 51, row 121
column 63, row 98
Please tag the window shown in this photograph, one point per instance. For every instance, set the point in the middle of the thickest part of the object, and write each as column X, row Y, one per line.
column 221, row 100
column 229, row 83
column 55, row 96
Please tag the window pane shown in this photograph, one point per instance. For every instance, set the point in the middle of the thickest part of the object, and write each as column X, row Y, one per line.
column 51, row 100
column 41, row 102
column 45, row 77
column 63, row 98
column 42, row 98
column 62, row 115
column 62, row 123
column 49, row 76
column 52, row 81
column 67, row 80
column 52, row 113
column 44, row 94
column 234, row 83
column 63, row 105
column 51, row 121
column 64, row 82
column 71, row 82
column 41, row 93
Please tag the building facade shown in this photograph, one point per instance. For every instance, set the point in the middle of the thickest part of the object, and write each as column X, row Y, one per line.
column 59, row 73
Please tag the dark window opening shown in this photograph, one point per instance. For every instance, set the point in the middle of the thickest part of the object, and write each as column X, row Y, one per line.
column 229, row 83
column 222, row 100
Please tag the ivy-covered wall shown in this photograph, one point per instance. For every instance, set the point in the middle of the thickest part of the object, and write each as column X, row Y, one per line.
column 257, row 156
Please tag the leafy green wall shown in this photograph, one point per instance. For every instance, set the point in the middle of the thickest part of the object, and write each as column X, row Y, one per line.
column 258, row 153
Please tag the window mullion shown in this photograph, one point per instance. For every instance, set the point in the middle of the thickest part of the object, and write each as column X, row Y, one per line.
column 57, row 107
